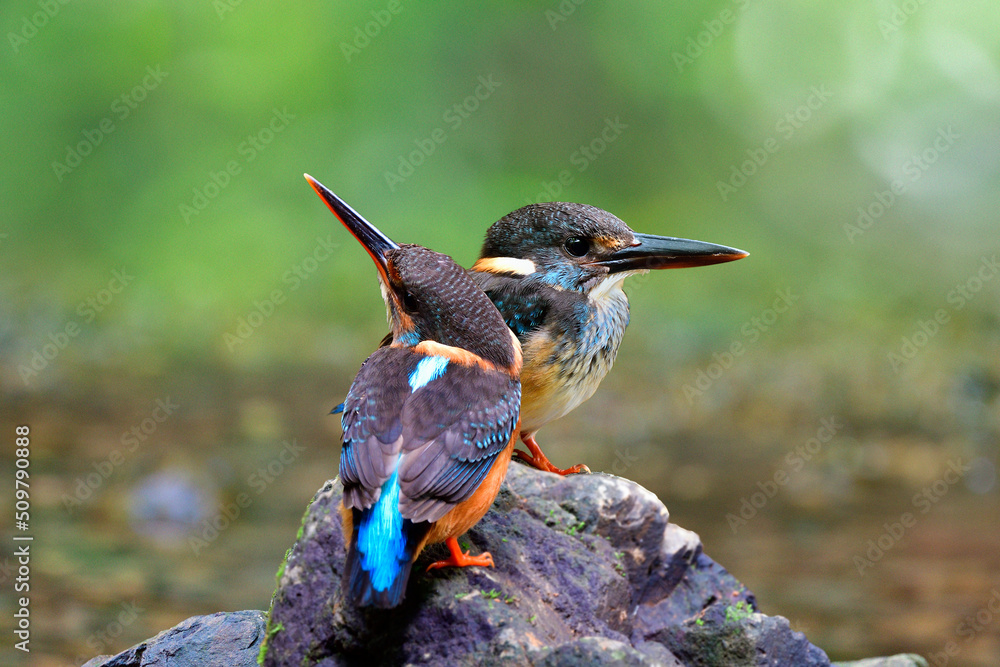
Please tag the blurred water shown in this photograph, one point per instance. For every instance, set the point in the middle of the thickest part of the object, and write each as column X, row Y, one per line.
column 184, row 539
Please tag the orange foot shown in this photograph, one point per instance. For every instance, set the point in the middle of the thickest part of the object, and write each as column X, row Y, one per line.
column 538, row 460
column 461, row 559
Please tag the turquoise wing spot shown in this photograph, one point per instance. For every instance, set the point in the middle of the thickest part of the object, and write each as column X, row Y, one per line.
column 428, row 369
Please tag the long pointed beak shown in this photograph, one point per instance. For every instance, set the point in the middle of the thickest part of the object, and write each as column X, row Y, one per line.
column 665, row 252
column 375, row 242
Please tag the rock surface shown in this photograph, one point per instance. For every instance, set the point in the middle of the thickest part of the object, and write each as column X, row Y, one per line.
column 588, row 571
column 231, row 639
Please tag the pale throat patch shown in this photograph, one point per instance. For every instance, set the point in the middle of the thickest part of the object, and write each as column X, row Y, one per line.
column 385, row 297
column 611, row 284
column 520, row 267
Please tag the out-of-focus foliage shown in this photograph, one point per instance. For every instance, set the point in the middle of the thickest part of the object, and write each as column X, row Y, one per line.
column 354, row 114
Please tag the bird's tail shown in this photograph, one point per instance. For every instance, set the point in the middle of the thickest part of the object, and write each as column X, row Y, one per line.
column 381, row 551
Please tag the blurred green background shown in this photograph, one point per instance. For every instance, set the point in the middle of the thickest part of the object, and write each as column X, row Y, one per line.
column 178, row 310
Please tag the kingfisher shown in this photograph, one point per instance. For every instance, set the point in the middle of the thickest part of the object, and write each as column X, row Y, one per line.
column 430, row 420
column 555, row 272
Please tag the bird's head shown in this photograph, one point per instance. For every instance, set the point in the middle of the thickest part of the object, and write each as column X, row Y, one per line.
column 583, row 248
column 427, row 295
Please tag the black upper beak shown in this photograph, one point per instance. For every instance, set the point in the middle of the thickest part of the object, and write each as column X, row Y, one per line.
column 665, row 252
column 375, row 242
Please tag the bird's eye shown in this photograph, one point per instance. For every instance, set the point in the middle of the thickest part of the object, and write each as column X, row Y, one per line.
column 409, row 301
column 576, row 246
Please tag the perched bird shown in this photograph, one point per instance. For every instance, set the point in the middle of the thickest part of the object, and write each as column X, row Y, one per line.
column 429, row 422
column 555, row 273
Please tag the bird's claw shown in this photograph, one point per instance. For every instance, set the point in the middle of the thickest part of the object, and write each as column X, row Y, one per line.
column 541, row 462
column 459, row 558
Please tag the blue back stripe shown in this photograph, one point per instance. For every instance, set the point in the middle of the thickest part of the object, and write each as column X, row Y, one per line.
column 428, row 368
column 381, row 541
